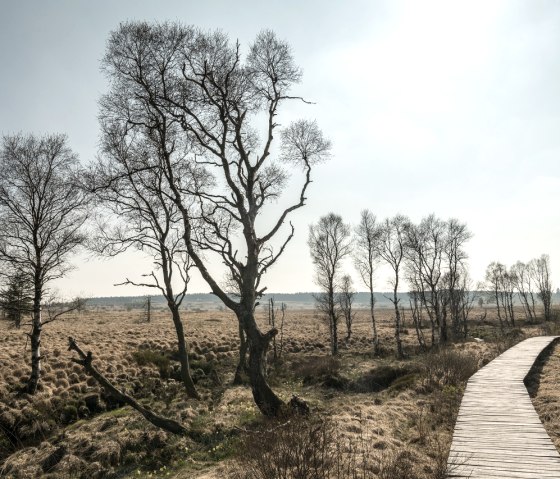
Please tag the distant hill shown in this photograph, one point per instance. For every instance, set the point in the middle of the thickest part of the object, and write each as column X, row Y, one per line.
column 207, row 301
column 210, row 301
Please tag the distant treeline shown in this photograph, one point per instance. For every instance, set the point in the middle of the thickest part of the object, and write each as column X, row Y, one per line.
column 294, row 299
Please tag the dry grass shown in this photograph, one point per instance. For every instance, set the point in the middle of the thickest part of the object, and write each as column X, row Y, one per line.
column 543, row 384
column 70, row 428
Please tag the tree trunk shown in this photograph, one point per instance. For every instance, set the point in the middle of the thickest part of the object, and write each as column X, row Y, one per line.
column 266, row 400
column 334, row 344
column 465, row 318
column 443, row 328
column 533, row 306
column 416, row 315
column 242, row 364
column 183, row 354
column 498, row 306
column 35, row 339
column 512, row 313
column 546, row 299
column 400, row 354
column 373, row 324
column 332, row 319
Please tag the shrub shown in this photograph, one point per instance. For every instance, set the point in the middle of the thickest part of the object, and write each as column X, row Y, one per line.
column 315, row 369
column 448, row 367
column 303, row 448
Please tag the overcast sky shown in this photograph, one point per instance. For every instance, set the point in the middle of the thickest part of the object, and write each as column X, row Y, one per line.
column 441, row 107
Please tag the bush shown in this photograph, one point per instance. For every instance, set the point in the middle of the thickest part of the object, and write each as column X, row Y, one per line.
column 303, row 448
column 448, row 367
column 315, row 369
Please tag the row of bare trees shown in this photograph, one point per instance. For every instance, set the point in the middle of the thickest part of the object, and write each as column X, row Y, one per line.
column 530, row 282
column 428, row 256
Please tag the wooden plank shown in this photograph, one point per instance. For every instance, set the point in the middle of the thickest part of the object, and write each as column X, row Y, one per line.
column 498, row 434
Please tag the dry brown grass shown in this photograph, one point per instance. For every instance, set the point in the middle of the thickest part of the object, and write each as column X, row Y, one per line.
column 543, row 384
column 71, row 429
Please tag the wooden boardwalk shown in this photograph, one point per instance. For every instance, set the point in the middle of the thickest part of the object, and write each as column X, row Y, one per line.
column 498, row 433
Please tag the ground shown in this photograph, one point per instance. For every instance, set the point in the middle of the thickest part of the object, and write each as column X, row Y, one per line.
column 395, row 418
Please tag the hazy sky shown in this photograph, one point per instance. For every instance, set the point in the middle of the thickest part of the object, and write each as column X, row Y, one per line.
column 441, row 107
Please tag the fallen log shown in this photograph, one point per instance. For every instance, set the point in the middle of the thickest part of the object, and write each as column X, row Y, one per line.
column 86, row 359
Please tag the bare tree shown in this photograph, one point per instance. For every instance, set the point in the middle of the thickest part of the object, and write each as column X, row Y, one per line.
column 283, row 309
column 147, row 307
column 366, row 259
column 346, row 301
column 508, row 288
column 436, row 267
column 416, row 309
column 522, row 273
column 457, row 299
column 501, row 285
column 42, row 210
column 272, row 311
column 200, row 101
column 329, row 244
column 425, row 246
column 136, row 211
column 461, row 300
column 544, row 286
column 391, row 248
column 494, row 271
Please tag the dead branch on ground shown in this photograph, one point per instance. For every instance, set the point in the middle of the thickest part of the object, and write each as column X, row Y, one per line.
column 158, row 421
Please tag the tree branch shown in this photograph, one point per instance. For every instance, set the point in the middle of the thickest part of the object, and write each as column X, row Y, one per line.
column 86, row 361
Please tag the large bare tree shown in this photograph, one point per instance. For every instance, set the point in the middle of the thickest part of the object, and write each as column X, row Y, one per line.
column 133, row 193
column 42, row 211
column 366, row 259
column 213, row 113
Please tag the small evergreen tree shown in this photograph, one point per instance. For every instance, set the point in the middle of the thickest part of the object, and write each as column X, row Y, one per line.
column 16, row 299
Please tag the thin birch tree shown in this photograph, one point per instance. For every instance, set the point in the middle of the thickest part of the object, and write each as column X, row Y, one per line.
column 42, row 214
